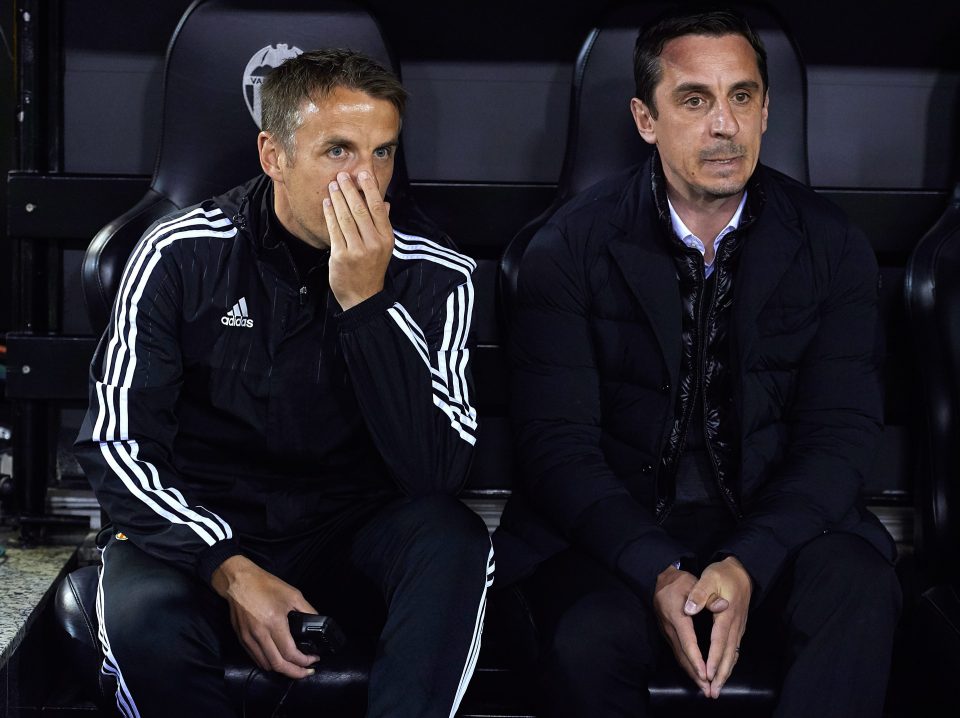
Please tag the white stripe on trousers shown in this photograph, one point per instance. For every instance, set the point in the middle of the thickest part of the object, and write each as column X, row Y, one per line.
column 474, row 651
column 125, row 702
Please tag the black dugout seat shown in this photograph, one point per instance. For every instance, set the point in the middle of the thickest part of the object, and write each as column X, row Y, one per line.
column 602, row 140
column 218, row 55
column 932, row 294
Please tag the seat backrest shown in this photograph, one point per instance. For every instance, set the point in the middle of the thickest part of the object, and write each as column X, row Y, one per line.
column 932, row 295
column 602, row 138
column 219, row 54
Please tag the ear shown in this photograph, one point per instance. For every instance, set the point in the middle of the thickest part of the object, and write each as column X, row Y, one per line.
column 646, row 125
column 764, row 112
column 271, row 156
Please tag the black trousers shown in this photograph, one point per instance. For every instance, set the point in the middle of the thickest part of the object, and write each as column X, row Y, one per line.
column 836, row 607
column 411, row 576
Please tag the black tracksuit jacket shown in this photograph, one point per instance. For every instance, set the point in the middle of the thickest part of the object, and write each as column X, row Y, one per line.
column 229, row 397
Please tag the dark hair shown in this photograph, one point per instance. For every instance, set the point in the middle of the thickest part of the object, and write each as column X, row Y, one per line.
column 316, row 74
column 647, row 70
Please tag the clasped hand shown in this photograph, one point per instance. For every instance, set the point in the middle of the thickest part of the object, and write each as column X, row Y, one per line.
column 724, row 589
column 361, row 237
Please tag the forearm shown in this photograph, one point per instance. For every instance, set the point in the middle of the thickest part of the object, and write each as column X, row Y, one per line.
column 415, row 397
column 568, row 481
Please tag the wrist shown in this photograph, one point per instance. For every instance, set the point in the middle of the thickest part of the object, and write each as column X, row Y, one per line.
column 358, row 314
column 670, row 574
column 348, row 300
column 228, row 573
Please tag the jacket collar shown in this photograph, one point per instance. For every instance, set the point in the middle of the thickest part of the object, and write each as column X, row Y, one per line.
column 639, row 249
column 771, row 237
column 249, row 208
column 769, row 249
column 756, row 197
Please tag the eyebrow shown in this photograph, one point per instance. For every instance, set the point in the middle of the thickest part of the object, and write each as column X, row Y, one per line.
column 344, row 142
column 686, row 87
column 338, row 141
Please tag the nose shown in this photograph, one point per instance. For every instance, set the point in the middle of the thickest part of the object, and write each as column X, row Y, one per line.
column 723, row 122
column 361, row 164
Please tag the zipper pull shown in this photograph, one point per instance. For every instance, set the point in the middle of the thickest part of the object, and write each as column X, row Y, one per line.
column 239, row 219
column 303, row 295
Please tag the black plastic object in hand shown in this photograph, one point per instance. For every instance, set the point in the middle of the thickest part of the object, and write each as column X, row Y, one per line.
column 315, row 635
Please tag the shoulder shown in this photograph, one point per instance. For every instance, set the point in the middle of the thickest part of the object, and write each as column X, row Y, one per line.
column 827, row 231
column 185, row 231
column 207, row 226
column 432, row 257
column 792, row 198
column 580, row 228
column 594, row 207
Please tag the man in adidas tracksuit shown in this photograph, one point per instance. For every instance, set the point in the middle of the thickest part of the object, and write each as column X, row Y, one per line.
column 280, row 418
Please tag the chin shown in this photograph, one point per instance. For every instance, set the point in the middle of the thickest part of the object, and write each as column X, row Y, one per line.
column 725, row 190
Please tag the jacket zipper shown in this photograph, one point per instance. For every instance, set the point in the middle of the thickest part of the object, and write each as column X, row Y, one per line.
column 688, row 410
column 303, row 293
column 724, row 491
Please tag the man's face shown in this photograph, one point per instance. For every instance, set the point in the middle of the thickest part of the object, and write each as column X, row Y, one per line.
column 712, row 111
column 346, row 131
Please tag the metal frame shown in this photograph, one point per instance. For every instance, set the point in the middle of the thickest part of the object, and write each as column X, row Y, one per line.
column 37, row 279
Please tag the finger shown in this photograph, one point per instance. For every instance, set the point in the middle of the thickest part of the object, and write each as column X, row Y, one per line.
column 684, row 662
column 290, row 653
column 338, row 244
column 724, row 652
column 253, row 650
column 727, row 662
column 304, row 606
column 357, row 203
column 720, row 604
column 379, row 211
column 700, row 595
column 719, row 639
column 275, row 660
column 387, row 205
column 344, row 217
column 690, row 651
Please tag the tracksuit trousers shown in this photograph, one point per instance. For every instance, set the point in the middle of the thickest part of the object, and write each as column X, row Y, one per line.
column 409, row 580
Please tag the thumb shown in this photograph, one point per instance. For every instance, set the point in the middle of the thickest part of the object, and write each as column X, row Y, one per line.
column 719, row 605
column 699, row 597
column 304, row 606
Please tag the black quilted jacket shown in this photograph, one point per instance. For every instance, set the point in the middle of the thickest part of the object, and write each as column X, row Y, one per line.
column 597, row 350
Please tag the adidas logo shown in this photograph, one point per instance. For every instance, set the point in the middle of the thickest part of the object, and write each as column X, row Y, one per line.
column 237, row 317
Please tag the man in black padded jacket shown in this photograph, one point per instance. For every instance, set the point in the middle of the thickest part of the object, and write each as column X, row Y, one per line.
column 696, row 395
column 280, row 418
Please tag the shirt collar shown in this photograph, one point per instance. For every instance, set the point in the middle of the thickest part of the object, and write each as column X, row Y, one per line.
column 692, row 240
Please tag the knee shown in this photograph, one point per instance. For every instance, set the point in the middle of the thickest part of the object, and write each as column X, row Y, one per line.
column 447, row 529
column 855, row 579
column 601, row 635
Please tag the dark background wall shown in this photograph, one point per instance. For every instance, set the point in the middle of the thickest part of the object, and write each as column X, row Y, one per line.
column 883, row 86
column 490, row 84
column 844, row 32
column 6, row 150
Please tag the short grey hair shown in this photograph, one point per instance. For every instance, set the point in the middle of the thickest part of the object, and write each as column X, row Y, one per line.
column 314, row 75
